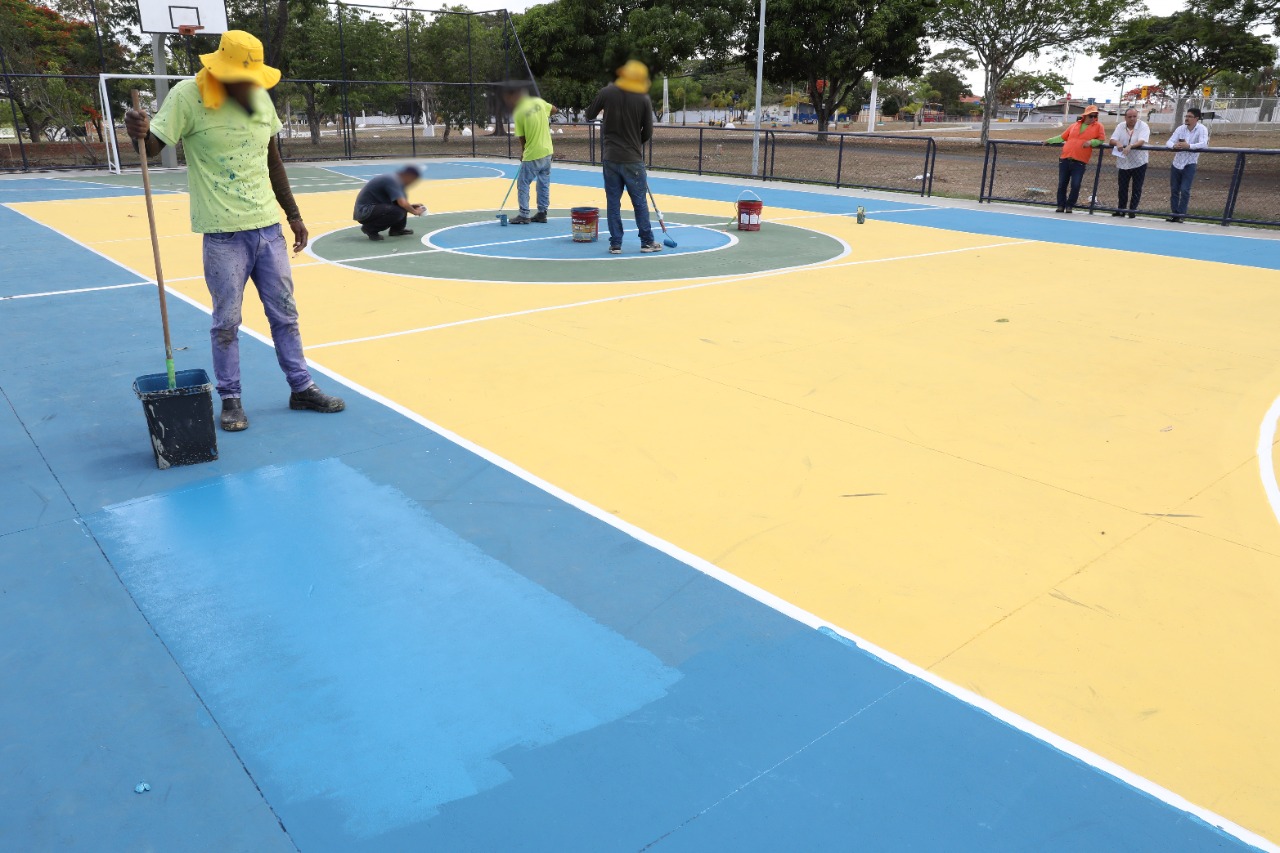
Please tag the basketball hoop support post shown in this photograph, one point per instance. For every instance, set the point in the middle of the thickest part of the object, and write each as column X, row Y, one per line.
column 168, row 156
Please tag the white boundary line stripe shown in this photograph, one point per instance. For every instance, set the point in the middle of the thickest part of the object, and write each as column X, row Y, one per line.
column 1266, row 462
column 77, row 290
column 1017, row 721
column 625, row 296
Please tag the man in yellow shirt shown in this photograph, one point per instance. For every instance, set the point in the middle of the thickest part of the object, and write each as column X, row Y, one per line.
column 533, row 128
column 235, row 175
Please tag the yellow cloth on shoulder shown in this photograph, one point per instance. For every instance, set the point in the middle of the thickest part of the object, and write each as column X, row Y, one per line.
column 212, row 92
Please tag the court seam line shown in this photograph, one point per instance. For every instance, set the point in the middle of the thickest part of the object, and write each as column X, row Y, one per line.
column 620, row 297
column 1016, row 721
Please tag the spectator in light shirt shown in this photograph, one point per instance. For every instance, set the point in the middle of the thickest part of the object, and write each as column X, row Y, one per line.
column 1128, row 144
column 1189, row 139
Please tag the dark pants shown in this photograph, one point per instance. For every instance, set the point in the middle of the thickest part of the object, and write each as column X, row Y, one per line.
column 1070, row 171
column 1131, row 178
column 384, row 216
column 1180, row 188
column 632, row 178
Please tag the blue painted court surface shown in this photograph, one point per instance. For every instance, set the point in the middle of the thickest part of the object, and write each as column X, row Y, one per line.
column 354, row 634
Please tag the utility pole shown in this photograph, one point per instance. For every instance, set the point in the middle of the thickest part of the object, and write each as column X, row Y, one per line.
column 666, row 102
column 755, row 139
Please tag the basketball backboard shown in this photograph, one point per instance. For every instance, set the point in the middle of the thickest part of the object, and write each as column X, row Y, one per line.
column 166, row 16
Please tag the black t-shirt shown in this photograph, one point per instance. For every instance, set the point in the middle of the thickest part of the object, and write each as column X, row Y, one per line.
column 384, row 189
column 628, row 123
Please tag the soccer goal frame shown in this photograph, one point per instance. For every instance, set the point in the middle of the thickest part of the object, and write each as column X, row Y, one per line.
column 113, row 148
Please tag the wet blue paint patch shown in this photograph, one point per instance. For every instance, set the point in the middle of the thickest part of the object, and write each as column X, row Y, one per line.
column 367, row 662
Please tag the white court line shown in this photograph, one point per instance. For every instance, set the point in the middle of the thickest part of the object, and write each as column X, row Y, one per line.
column 1266, row 464
column 768, row 599
column 695, row 286
column 77, row 290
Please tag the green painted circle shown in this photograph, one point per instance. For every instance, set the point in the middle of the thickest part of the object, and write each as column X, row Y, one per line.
column 775, row 246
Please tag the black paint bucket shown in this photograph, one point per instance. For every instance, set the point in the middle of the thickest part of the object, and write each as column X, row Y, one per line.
column 180, row 419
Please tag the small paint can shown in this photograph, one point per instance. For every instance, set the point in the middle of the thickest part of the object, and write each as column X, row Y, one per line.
column 502, row 220
column 862, row 214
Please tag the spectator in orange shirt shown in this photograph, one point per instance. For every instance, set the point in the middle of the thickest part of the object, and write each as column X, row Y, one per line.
column 1078, row 142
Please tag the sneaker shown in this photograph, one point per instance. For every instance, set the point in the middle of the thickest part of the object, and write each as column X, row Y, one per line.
column 401, row 232
column 233, row 417
column 540, row 217
column 1133, row 215
column 649, row 248
column 1174, row 219
column 615, row 250
column 315, row 400
column 1117, row 213
column 1059, row 210
column 519, row 220
column 1070, row 210
column 375, row 236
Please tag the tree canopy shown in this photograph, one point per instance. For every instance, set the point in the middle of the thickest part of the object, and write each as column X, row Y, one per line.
column 1183, row 51
column 1000, row 33
column 832, row 45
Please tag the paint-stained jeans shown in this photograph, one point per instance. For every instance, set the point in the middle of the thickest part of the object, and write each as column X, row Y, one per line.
column 530, row 171
column 632, row 178
column 230, row 260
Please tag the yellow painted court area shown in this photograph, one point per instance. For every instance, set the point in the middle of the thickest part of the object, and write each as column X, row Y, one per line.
column 1028, row 467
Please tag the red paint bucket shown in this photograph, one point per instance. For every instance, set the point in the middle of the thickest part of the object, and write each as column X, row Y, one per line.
column 749, row 212
column 586, row 224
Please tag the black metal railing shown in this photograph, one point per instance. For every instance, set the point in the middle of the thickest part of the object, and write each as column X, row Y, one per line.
column 867, row 161
column 1238, row 186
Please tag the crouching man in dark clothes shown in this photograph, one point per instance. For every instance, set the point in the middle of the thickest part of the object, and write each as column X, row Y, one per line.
column 382, row 204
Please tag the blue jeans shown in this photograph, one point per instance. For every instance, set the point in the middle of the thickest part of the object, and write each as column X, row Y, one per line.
column 1070, row 171
column 632, row 178
column 1180, row 188
column 531, row 170
column 230, row 260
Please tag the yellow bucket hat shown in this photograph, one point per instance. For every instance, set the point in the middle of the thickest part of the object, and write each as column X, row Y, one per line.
column 634, row 77
column 239, row 59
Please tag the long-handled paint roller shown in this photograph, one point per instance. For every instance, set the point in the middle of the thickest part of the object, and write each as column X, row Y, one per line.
column 155, row 251
column 666, row 238
column 502, row 217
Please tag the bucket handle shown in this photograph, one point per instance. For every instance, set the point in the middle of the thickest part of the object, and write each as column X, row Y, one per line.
column 744, row 192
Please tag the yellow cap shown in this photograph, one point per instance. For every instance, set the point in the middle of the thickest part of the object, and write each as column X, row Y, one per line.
column 239, row 59
column 633, row 77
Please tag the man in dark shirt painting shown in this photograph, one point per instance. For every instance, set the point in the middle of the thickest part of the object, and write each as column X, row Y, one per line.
column 628, row 125
column 382, row 204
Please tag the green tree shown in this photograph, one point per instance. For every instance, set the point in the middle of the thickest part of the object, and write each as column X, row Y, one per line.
column 1184, row 50
column 839, row 42
column 587, row 40
column 38, row 40
column 1033, row 86
column 999, row 33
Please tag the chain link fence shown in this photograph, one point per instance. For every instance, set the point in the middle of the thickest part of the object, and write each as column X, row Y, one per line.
column 1232, row 185
column 880, row 161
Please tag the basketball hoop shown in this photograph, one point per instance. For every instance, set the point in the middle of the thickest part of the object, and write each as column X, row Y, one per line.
column 189, row 29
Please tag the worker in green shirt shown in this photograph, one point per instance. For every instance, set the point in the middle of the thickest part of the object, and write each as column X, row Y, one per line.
column 227, row 126
column 533, row 128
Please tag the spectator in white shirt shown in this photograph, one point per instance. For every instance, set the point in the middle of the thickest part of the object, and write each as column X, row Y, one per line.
column 1188, row 139
column 1128, row 144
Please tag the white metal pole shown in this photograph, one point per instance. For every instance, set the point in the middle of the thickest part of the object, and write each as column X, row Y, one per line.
column 666, row 101
column 755, row 139
column 109, row 127
column 875, row 97
column 168, row 156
